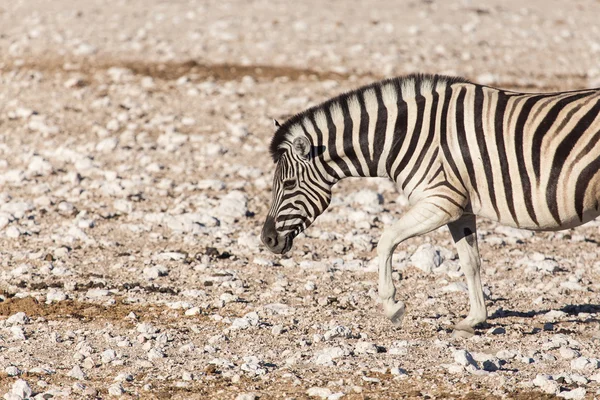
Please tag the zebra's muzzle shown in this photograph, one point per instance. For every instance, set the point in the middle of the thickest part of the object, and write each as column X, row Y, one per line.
column 271, row 238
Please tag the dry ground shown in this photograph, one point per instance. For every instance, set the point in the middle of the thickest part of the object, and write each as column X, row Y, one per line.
column 134, row 178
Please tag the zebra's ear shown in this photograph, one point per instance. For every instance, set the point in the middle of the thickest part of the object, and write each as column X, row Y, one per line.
column 277, row 124
column 301, row 146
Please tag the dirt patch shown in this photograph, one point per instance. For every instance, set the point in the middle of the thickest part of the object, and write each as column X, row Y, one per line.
column 85, row 312
column 172, row 70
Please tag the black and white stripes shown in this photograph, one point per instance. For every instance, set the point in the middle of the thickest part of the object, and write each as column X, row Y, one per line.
column 456, row 149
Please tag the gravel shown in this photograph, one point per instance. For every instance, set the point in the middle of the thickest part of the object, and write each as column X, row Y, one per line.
column 135, row 176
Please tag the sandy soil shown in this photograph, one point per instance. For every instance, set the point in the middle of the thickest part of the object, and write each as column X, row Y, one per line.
column 135, row 176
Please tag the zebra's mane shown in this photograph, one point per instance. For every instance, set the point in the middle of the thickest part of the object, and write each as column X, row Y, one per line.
column 421, row 80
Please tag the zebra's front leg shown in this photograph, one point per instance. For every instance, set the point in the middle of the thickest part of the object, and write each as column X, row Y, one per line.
column 420, row 219
column 464, row 234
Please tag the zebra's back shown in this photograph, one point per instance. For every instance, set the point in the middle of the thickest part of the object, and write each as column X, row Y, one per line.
column 527, row 160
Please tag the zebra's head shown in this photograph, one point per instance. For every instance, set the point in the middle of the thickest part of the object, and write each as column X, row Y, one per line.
column 301, row 190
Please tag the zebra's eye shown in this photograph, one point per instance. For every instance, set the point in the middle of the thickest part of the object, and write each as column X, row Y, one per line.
column 289, row 184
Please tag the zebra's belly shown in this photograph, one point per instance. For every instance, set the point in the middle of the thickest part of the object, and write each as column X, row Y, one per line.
column 539, row 216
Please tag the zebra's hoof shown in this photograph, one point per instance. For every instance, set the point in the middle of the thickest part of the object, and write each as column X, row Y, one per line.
column 464, row 332
column 396, row 313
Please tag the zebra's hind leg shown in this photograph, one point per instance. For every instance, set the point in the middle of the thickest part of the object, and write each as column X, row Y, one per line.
column 420, row 219
column 464, row 234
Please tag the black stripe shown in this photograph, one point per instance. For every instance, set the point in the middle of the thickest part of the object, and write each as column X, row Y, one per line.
column 583, row 181
column 449, row 186
column 400, row 132
column 331, row 138
column 432, row 159
column 520, row 154
column 380, row 127
column 415, row 134
column 429, row 141
column 348, row 145
column 435, row 175
column 485, row 155
column 444, row 135
column 364, row 136
column 463, row 143
column 327, row 168
column 504, row 171
column 562, row 153
column 449, row 199
column 545, row 126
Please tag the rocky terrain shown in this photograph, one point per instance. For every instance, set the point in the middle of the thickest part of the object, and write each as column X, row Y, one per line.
column 135, row 177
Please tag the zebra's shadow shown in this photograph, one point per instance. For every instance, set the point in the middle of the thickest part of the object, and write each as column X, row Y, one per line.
column 570, row 309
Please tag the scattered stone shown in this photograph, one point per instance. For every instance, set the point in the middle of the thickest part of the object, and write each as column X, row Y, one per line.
column 365, row 348
column 77, row 373
column 338, row 331
column 568, row 353
column 55, row 295
column 116, row 389
column 320, row 392
column 546, row 384
column 21, row 389
column 464, row 358
column 246, row 396
column 11, row 370
column 575, row 394
column 427, row 257
column 19, row 318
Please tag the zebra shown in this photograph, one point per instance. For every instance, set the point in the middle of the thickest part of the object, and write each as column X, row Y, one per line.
column 457, row 150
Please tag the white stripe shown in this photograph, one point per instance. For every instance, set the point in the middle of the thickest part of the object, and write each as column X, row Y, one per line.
column 390, row 101
column 354, row 108
column 372, row 111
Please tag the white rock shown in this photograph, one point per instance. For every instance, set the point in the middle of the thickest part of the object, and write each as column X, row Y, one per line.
column 107, row 145
column 108, row 355
column 246, row 396
column 327, row 355
column 365, row 348
column 19, row 318
column 11, row 370
column 514, row 233
column 456, row 287
column 583, row 363
column 123, row 206
column 55, row 295
column 427, row 257
column 155, row 272
column 116, row 389
column 238, row 130
column 367, row 197
column 323, row 393
column 77, row 373
column 146, row 328
column 546, row 383
column 338, row 331
column 568, row 353
column 232, row 206
column 12, row 232
column 553, row 315
column 4, row 220
column 253, row 366
column 21, row 388
column 464, row 358
column 575, row 394
column 65, row 208
column 549, row 266
column 96, row 293
column 572, row 286
column 155, row 354
column 38, row 166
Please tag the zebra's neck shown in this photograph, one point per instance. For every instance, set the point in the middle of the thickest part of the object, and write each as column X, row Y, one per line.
column 382, row 130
